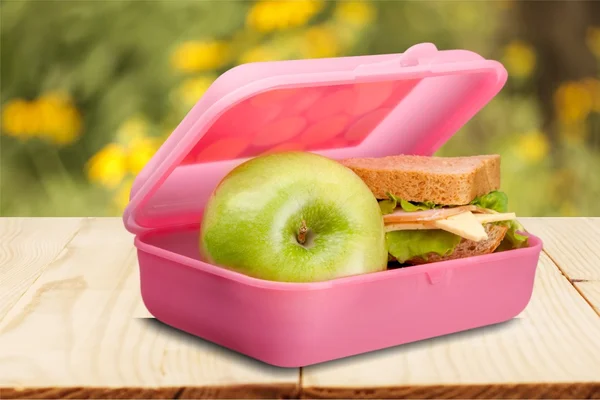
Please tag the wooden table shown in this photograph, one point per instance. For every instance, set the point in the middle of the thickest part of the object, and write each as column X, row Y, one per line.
column 72, row 324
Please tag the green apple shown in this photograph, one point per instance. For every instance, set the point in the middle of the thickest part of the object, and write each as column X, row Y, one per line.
column 293, row 217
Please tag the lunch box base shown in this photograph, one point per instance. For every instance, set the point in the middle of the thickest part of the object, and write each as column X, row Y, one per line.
column 294, row 325
column 364, row 106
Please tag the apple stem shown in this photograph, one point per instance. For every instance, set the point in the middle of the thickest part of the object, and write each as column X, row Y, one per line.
column 302, row 233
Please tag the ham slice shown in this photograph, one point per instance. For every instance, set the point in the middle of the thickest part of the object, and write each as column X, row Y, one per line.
column 399, row 215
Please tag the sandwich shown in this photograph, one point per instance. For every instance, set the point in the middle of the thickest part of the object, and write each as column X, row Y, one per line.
column 440, row 208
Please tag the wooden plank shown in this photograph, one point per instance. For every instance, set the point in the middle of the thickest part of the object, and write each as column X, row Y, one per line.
column 549, row 351
column 461, row 391
column 591, row 291
column 254, row 391
column 27, row 246
column 572, row 243
column 74, row 334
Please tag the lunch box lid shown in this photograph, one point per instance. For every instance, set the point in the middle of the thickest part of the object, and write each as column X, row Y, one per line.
column 363, row 106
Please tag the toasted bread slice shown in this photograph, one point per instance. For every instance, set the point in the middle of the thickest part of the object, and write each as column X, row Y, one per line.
column 469, row 248
column 442, row 180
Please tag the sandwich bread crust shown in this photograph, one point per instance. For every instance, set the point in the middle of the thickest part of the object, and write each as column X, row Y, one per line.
column 468, row 248
column 442, row 180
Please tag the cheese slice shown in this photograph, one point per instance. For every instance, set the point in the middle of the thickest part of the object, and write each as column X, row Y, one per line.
column 464, row 225
column 486, row 218
column 467, row 225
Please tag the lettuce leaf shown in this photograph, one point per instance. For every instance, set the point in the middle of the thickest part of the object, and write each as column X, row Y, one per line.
column 513, row 239
column 410, row 206
column 405, row 245
column 496, row 200
column 388, row 206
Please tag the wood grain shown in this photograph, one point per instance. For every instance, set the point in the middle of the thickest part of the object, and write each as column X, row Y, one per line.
column 591, row 291
column 74, row 326
column 73, row 331
column 27, row 246
column 252, row 391
column 553, row 345
column 572, row 243
column 585, row 390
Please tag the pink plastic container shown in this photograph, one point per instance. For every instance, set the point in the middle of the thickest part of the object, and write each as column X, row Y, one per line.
column 409, row 103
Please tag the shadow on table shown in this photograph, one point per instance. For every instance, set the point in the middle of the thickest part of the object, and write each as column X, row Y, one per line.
column 471, row 334
column 158, row 326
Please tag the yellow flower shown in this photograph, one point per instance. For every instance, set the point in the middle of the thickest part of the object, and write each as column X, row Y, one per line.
column 68, row 127
column 17, row 118
column 139, row 152
column 268, row 15
column 195, row 56
column 532, row 147
column 52, row 117
column 593, row 87
column 573, row 102
column 108, row 166
column 192, row 89
column 320, row 43
column 355, row 12
column 519, row 58
column 121, row 198
column 50, row 109
column 59, row 120
column 129, row 154
column 263, row 17
column 593, row 40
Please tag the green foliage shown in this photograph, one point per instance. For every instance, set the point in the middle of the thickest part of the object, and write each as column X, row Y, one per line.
column 113, row 57
column 114, row 61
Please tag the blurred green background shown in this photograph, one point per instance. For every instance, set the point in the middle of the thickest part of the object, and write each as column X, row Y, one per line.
column 90, row 89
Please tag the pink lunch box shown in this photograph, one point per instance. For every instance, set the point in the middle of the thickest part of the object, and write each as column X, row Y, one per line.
column 369, row 106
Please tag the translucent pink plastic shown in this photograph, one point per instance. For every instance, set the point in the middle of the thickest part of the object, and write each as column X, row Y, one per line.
column 409, row 103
